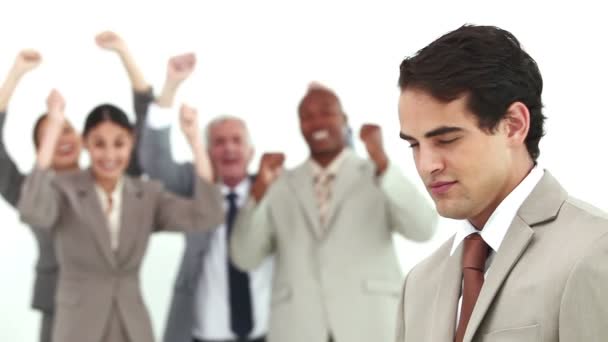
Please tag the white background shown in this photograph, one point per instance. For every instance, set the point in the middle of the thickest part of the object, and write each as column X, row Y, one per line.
column 255, row 60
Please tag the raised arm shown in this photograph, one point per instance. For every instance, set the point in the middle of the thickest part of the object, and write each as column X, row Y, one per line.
column 179, row 68
column 111, row 41
column 40, row 200
column 201, row 212
column 11, row 179
column 188, row 119
column 142, row 90
column 155, row 155
column 253, row 237
column 410, row 214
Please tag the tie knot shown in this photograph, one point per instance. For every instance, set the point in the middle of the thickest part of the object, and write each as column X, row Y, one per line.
column 231, row 197
column 323, row 177
column 476, row 252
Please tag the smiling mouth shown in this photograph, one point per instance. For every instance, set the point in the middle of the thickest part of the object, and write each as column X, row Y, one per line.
column 440, row 188
column 64, row 149
column 320, row 135
column 109, row 166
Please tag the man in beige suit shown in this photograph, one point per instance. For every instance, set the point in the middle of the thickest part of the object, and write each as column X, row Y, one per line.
column 528, row 262
column 330, row 223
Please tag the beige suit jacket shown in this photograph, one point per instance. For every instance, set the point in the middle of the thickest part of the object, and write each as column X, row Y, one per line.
column 548, row 281
column 344, row 282
column 95, row 279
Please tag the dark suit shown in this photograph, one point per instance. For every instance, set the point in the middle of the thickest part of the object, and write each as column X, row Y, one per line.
column 11, row 180
column 157, row 162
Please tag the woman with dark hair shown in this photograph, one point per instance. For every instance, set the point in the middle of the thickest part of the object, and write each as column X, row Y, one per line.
column 102, row 219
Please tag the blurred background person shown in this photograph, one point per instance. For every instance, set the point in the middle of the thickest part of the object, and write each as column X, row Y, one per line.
column 102, row 219
column 330, row 224
column 66, row 157
column 212, row 300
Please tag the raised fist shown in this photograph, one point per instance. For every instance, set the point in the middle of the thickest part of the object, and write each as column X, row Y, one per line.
column 181, row 66
column 371, row 136
column 110, row 41
column 27, row 60
column 55, row 104
column 271, row 166
column 188, row 121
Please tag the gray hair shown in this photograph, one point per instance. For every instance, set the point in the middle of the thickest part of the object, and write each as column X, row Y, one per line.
column 221, row 119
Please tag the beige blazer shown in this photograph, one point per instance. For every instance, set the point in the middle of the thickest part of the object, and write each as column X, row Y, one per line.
column 344, row 282
column 94, row 279
column 547, row 282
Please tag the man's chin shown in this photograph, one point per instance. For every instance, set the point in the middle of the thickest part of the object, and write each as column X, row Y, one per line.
column 447, row 211
column 323, row 150
column 233, row 175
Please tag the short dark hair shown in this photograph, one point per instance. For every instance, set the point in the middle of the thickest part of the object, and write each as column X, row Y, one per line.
column 37, row 126
column 320, row 90
column 488, row 65
column 103, row 113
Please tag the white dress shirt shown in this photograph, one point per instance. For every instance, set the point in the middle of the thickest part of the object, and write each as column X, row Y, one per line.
column 212, row 306
column 160, row 117
column 495, row 229
column 111, row 206
column 212, row 309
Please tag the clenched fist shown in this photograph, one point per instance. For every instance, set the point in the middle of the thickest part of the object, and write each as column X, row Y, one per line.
column 26, row 60
column 371, row 136
column 271, row 166
column 55, row 104
column 110, row 41
column 188, row 121
column 180, row 67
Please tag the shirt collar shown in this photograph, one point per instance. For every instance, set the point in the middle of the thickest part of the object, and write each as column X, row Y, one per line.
column 241, row 190
column 495, row 229
column 115, row 195
column 333, row 167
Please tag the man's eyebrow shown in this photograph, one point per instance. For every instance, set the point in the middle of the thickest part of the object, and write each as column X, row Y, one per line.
column 442, row 130
column 405, row 136
column 438, row 131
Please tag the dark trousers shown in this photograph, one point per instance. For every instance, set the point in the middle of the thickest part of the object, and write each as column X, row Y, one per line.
column 261, row 339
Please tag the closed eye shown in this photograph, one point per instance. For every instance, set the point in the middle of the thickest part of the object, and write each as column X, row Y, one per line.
column 448, row 141
column 412, row 145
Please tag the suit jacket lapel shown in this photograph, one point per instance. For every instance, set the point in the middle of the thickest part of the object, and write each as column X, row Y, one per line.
column 302, row 183
column 515, row 243
column 542, row 205
column 129, row 219
column 93, row 213
column 345, row 182
column 448, row 295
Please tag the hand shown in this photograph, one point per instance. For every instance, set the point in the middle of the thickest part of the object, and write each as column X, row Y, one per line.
column 26, row 60
column 55, row 104
column 180, row 67
column 188, row 121
column 271, row 166
column 110, row 41
column 371, row 136
column 56, row 120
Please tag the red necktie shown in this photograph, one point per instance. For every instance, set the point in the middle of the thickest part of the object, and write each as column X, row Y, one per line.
column 473, row 268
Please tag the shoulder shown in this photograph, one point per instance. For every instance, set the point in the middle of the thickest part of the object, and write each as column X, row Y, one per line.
column 428, row 268
column 583, row 219
column 72, row 179
column 585, row 210
column 145, row 185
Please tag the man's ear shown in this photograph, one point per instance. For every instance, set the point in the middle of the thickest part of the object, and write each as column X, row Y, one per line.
column 516, row 123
